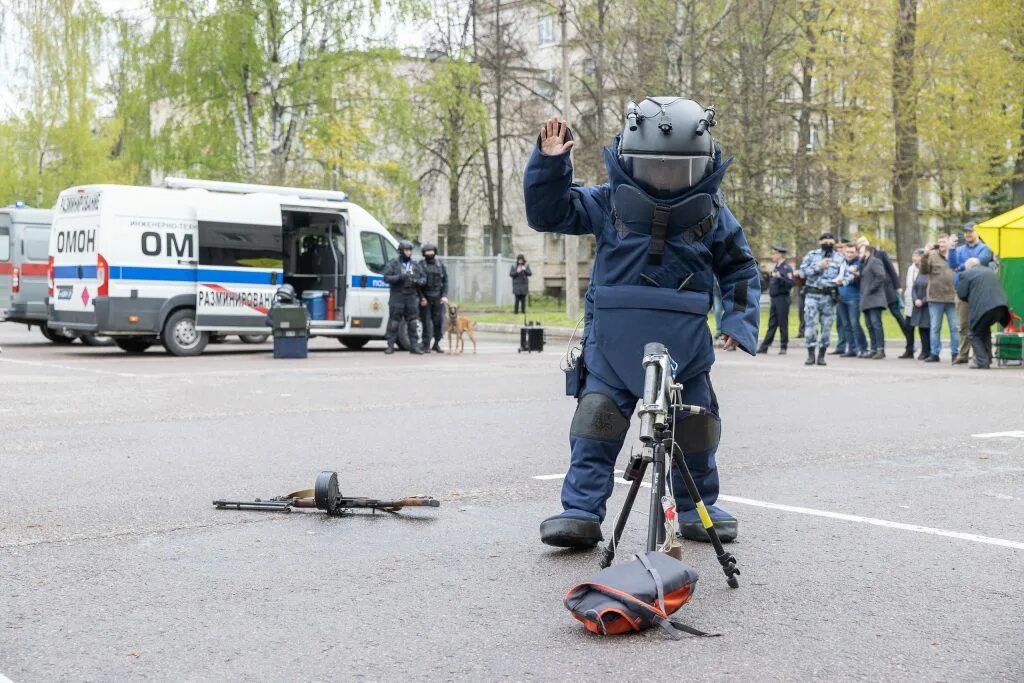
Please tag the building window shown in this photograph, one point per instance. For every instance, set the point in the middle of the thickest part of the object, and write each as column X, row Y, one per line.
column 546, row 31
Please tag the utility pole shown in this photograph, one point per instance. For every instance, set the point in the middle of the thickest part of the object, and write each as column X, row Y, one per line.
column 572, row 278
column 499, row 95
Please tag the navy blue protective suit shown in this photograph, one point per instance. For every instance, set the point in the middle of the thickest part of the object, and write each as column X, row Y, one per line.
column 637, row 296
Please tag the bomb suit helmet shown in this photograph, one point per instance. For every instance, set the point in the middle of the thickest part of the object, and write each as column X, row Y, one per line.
column 666, row 144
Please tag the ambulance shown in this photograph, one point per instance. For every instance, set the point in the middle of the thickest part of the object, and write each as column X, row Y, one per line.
column 195, row 258
column 24, row 239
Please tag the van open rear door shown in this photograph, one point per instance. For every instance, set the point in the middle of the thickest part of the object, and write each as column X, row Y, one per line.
column 240, row 261
column 6, row 265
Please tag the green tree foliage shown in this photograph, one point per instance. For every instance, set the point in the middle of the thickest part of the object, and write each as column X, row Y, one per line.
column 54, row 136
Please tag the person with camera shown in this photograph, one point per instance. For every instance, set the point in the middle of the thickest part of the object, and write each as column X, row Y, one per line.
column 435, row 296
column 941, row 298
column 780, row 282
column 663, row 235
column 520, row 274
column 824, row 269
column 405, row 277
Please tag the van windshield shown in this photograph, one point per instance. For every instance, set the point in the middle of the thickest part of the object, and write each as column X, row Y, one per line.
column 374, row 251
column 5, row 243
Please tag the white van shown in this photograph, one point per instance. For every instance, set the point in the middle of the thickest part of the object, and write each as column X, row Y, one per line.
column 194, row 258
column 24, row 241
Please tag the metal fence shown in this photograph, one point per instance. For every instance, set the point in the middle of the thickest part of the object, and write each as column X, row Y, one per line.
column 480, row 279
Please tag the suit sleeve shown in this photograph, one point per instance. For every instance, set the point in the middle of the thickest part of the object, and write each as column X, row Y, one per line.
column 419, row 274
column 552, row 203
column 529, row 273
column 393, row 273
column 890, row 270
column 444, row 280
column 740, row 281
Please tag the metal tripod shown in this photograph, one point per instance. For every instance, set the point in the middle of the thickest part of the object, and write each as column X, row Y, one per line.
column 661, row 394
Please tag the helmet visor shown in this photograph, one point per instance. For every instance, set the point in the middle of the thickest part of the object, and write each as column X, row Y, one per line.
column 665, row 175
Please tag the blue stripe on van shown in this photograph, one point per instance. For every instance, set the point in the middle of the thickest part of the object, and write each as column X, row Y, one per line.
column 88, row 272
column 245, row 277
column 369, row 281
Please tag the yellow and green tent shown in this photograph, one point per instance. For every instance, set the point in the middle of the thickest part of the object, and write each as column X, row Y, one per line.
column 1005, row 236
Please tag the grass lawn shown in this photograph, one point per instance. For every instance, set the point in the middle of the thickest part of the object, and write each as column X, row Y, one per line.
column 551, row 313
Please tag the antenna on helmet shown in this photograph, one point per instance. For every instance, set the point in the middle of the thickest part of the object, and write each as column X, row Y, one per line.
column 708, row 121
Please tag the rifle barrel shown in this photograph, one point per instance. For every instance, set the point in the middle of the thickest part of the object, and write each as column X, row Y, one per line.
column 271, row 505
column 413, row 501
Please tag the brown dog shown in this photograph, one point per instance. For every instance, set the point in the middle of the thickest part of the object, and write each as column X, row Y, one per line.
column 459, row 325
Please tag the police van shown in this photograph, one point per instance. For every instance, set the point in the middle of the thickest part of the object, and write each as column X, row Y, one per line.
column 195, row 258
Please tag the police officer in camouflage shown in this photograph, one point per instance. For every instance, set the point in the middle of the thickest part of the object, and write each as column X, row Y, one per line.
column 435, row 296
column 823, row 269
column 405, row 278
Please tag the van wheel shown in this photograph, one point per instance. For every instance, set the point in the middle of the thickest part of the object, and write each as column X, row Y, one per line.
column 93, row 340
column 56, row 336
column 133, row 344
column 403, row 335
column 354, row 342
column 253, row 338
column 180, row 337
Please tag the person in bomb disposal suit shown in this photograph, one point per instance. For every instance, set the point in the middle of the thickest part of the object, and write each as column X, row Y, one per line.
column 663, row 235
column 779, row 285
column 405, row 279
column 435, row 296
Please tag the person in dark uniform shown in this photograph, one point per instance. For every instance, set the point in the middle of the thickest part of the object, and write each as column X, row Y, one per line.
column 435, row 296
column 405, row 279
column 779, row 285
column 520, row 274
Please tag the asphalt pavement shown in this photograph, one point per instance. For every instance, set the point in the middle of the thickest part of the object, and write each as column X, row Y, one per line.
column 881, row 508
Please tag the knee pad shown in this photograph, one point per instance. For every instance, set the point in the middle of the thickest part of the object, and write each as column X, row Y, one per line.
column 698, row 433
column 597, row 417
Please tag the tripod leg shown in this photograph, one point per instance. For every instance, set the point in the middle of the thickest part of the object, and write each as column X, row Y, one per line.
column 656, row 516
column 725, row 558
column 620, row 523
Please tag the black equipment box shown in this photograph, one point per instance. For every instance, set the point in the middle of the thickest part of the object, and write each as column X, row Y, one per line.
column 289, row 318
column 531, row 338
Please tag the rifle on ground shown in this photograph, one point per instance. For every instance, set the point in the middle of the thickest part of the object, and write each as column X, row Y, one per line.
column 325, row 496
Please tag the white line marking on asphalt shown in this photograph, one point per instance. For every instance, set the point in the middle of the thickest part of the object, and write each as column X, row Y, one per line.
column 1019, row 434
column 846, row 518
column 544, row 477
column 5, row 679
column 66, row 367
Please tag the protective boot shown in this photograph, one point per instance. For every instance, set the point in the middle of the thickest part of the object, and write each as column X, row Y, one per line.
column 391, row 348
column 821, row 356
column 437, row 347
column 704, row 471
column 692, row 528
column 571, row 529
column 415, row 349
column 810, row 356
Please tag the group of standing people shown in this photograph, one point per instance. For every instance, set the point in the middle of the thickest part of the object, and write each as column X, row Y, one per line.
column 419, row 292
column 839, row 283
